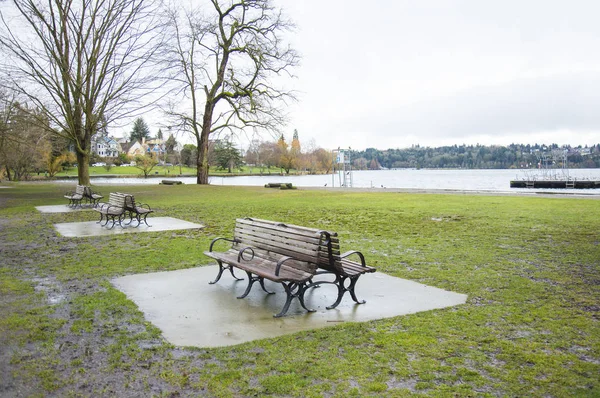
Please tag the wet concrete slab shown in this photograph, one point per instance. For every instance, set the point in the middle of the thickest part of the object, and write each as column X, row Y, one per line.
column 190, row 312
column 62, row 208
column 92, row 228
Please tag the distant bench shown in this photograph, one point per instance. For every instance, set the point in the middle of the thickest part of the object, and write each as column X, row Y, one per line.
column 136, row 210
column 83, row 192
column 113, row 211
column 121, row 205
column 288, row 254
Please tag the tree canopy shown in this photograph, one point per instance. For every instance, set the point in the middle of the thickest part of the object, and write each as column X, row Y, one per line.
column 223, row 62
column 81, row 63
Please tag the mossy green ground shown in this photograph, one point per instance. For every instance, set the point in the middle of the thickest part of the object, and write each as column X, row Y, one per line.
column 530, row 327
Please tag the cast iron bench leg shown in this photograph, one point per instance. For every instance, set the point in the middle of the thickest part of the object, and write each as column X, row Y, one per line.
column 353, row 281
column 262, row 284
column 251, row 280
column 342, row 289
column 293, row 290
column 221, row 269
column 146, row 222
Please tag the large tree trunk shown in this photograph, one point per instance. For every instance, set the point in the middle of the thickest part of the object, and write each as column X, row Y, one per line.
column 83, row 167
column 202, row 160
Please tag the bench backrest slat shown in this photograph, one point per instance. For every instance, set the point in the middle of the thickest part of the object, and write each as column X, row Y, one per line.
column 129, row 200
column 80, row 190
column 323, row 260
column 275, row 240
column 116, row 199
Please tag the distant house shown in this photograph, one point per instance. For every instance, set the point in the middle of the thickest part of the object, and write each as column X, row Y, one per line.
column 156, row 147
column 136, row 148
column 105, row 146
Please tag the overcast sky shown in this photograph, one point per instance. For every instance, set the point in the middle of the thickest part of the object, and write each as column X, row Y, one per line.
column 394, row 73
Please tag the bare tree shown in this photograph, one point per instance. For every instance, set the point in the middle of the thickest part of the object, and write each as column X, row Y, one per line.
column 84, row 63
column 225, row 64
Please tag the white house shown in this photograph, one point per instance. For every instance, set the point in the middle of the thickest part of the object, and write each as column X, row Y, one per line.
column 105, row 146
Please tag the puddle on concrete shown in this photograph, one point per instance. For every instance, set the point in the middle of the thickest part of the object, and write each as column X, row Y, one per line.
column 92, row 228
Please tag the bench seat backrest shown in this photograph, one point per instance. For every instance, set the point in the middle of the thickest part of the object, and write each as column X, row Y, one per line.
column 329, row 259
column 274, row 239
column 80, row 190
column 116, row 199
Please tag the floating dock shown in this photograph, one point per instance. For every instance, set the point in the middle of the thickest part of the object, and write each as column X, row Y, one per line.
column 564, row 184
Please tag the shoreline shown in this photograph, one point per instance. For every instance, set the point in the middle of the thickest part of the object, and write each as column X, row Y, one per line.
column 440, row 191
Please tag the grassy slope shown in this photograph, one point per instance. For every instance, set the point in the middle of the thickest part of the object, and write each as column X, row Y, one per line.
column 529, row 265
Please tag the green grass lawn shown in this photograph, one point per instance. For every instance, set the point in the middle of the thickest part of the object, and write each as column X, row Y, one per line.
column 529, row 265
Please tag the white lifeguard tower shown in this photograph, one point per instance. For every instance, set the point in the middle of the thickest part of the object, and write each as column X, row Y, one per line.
column 343, row 166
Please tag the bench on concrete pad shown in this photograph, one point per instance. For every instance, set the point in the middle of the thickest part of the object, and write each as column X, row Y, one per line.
column 92, row 196
column 346, row 268
column 114, row 210
column 75, row 197
column 136, row 210
column 273, row 251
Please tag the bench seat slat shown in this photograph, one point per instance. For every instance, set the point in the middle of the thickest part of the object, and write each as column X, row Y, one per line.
column 264, row 268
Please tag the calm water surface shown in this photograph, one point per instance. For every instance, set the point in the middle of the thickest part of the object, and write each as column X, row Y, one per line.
column 463, row 180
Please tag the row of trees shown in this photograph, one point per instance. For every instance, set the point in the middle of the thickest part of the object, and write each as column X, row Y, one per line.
column 266, row 155
column 473, row 157
column 210, row 65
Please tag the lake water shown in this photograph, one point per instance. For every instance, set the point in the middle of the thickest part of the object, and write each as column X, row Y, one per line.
column 462, row 180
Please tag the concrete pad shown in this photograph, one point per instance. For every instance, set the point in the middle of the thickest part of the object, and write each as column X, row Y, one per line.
column 62, row 208
column 190, row 312
column 92, row 228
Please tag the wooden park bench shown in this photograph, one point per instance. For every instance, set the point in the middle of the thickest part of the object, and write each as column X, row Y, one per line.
column 137, row 211
column 92, row 196
column 114, row 210
column 81, row 193
column 273, row 251
column 340, row 266
column 291, row 255
column 75, row 197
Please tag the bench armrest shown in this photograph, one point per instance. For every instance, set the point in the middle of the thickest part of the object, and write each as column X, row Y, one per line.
column 359, row 254
column 218, row 239
column 241, row 254
column 113, row 207
column 143, row 205
column 280, row 263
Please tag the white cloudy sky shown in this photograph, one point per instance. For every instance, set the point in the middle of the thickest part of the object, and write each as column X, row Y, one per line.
column 393, row 73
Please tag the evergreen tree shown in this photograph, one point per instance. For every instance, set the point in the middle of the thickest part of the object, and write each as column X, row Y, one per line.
column 227, row 156
column 140, row 130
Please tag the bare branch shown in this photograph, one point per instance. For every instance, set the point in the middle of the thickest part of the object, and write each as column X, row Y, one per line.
column 226, row 65
column 83, row 63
